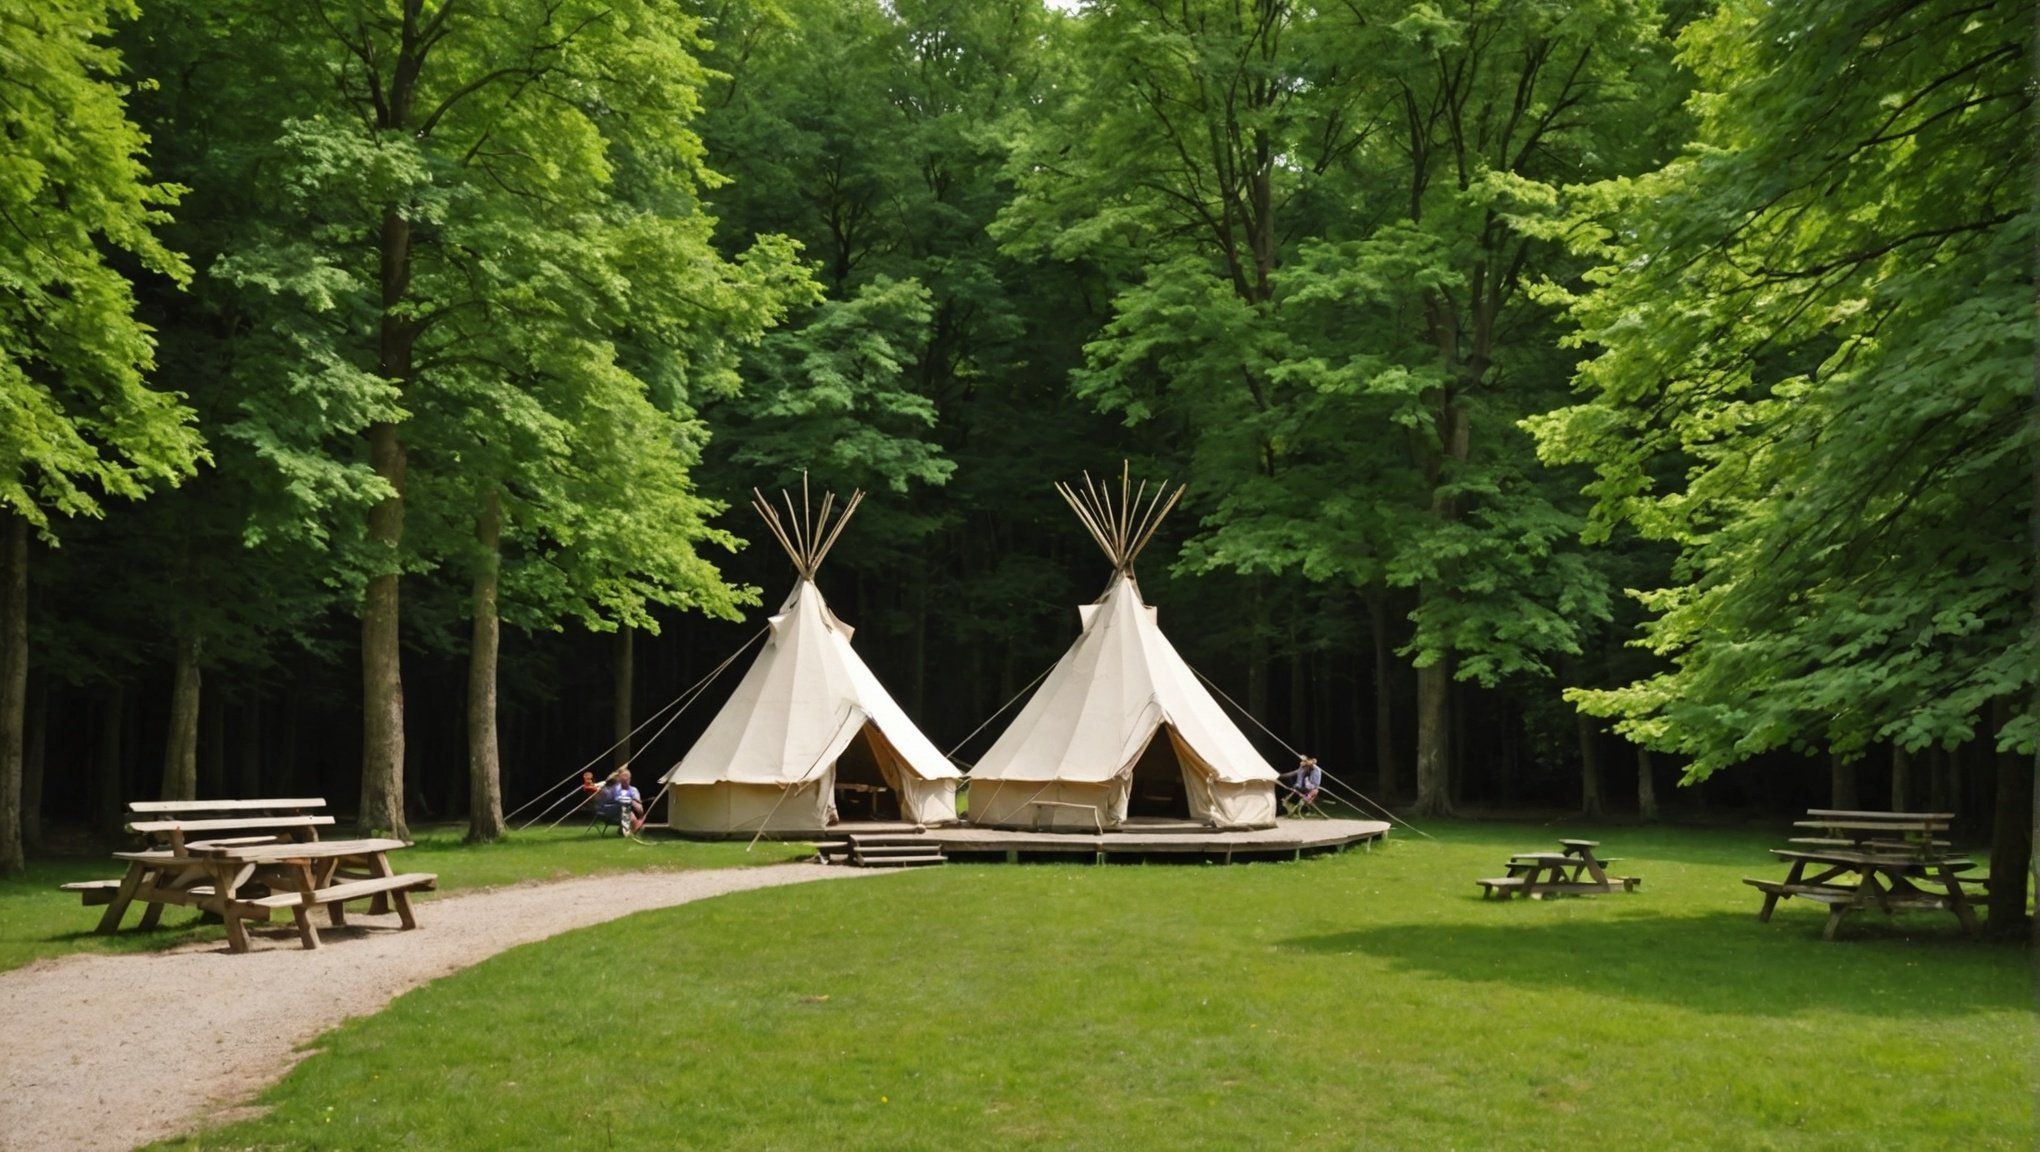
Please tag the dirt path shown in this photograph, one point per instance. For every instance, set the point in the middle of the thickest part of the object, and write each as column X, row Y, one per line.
column 109, row 1052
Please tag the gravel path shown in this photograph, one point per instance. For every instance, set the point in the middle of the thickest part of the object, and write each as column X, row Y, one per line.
column 113, row 1051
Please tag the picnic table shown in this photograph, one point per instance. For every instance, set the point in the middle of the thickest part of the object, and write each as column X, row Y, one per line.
column 1572, row 871
column 1889, row 861
column 275, row 860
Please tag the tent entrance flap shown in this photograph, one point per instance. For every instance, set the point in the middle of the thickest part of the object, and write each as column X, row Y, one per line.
column 1159, row 784
column 867, row 781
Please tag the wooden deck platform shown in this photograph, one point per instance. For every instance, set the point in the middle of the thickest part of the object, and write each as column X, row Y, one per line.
column 1140, row 840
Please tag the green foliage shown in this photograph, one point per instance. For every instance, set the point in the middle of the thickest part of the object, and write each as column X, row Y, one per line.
column 1318, row 224
column 1816, row 341
column 79, row 420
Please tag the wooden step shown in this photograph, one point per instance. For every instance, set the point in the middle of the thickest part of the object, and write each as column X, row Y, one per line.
column 903, row 861
column 893, row 849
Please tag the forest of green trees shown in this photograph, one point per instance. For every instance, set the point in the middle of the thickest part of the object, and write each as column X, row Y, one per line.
column 1578, row 399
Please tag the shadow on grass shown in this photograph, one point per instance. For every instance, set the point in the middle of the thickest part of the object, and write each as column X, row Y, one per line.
column 1719, row 962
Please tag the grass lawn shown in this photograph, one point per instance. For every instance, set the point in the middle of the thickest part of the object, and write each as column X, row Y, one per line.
column 1366, row 1001
column 37, row 921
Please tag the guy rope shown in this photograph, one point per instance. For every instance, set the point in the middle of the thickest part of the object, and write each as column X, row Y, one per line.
column 677, row 706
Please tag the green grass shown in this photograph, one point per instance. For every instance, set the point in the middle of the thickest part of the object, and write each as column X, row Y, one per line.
column 1367, row 1001
column 37, row 921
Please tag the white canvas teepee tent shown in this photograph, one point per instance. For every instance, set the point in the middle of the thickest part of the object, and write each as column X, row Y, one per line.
column 809, row 728
column 1121, row 727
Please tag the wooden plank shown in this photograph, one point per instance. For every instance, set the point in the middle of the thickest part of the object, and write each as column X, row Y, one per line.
column 293, row 803
column 353, row 890
column 1850, row 814
column 169, row 827
column 309, row 850
column 1923, row 826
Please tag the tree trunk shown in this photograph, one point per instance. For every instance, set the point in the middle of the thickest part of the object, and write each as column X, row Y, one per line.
column 13, row 686
column 485, row 768
column 1646, row 785
column 34, row 756
column 180, row 748
column 248, row 759
column 108, row 799
column 287, row 781
column 1299, row 705
column 1590, row 764
column 1434, row 728
column 382, row 682
column 1937, row 779
column 1901, row 779
column 2011, row 841
column 624, row 675
column 1841, row 783
column 212, row 746
column 1384, row 703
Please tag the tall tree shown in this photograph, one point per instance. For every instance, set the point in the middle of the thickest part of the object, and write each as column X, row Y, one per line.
column 1320, row 228
column 81, row 423
column 455, row 162
column 1816, row 343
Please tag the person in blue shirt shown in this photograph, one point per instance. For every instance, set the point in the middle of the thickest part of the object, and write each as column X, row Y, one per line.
column 618, row 803
column 1303, row 784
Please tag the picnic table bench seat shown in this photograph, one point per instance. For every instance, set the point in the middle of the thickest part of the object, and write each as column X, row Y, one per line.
column 92, row 892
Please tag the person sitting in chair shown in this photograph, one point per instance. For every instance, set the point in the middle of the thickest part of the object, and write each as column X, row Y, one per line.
column 1303, row 784
column 618, row 803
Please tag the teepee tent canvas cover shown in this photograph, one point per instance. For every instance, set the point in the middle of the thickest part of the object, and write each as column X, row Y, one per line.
column 1121, row 723
column 808, row 719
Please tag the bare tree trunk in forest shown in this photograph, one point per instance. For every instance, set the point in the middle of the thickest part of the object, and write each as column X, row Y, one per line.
column 107, row 787
column 248, row 757
column 484, row 753
column 2011, row 839
column 180, row 747
column 1299, row 705
column 918, row 680
column 34, row 756
column 287, row 743
column 1646, row 784
column 1841, row 783
column 212, row 746
column 623, row 674
column 1937, row 779
column 1434, row 682
column 1590, row 763
column 1434, row 783
column 485, row 766
column 1384, row 702
column 1901, row 779
column 13, row 686
column 382, row 685
column 2031, row 770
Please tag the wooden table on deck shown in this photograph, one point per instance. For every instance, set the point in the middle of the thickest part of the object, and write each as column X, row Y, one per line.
column 1889, row 861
